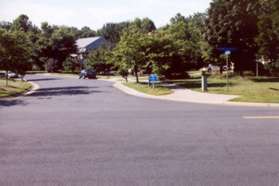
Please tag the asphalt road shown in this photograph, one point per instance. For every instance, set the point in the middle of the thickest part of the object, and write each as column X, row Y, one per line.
column 85, row 132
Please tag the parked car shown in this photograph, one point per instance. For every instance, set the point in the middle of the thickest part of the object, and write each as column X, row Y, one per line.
column 12, row 75
column 90, row 74
column 2, row 74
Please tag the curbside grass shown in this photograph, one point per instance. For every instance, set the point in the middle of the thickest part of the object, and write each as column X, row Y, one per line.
column 144, row 88
column 14, row 88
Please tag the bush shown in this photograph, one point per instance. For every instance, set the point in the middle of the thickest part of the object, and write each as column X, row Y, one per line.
column 71, row 65
column 124, row 73
column 248, row 73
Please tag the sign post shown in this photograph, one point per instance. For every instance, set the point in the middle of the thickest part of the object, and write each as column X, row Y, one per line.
column 227, row 53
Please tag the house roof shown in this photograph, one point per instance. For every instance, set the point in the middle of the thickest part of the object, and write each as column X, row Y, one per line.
column 89, row 43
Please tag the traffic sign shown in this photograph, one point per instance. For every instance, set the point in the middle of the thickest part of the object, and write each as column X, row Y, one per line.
column 153, row 78
column 228, row 52
column 227, row 49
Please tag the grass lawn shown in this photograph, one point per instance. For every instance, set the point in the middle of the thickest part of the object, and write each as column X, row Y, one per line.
column 143, row 87
column 15, row 87
column 250, row 89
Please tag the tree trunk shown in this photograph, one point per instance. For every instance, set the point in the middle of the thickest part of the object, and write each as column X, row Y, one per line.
column 221, row 69
column 7, row 78
column 136, row 73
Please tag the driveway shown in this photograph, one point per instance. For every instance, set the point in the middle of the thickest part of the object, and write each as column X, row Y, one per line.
column 85, row 132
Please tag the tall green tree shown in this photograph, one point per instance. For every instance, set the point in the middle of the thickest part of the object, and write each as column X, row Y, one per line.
column 56, row 44
column 130, row 51
column 268, row 38
column 15, row 51
column 179, row 45
column 233, row 24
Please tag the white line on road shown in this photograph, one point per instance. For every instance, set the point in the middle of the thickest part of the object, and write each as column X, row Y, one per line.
column 261, row 117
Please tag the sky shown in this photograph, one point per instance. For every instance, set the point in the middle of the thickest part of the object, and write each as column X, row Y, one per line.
column 95, row 13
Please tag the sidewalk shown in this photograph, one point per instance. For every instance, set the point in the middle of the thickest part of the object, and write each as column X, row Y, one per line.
column 180, row 94
column 187, row 95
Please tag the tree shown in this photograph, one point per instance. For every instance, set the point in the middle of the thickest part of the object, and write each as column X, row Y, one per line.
column 177, row 47
column 86, row 32
column 71, row 64
column 233, row 24
column 62, row 43
column 56, row 45
column 130, row 51
column 268, row 37
column 161, row 53
column 5, row 25
column 98, row 60
column 22, row 23
column 15, row 51
column 146, row 25
column 112, row 31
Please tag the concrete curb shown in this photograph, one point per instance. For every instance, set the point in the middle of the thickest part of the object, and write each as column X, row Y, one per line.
column 133, row 92
column 34, row 88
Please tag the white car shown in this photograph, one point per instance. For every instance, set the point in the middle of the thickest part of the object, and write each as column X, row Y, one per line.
column 12, row 75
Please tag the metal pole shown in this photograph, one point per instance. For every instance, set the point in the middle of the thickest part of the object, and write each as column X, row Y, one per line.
column 227, row 76
column 257, row 68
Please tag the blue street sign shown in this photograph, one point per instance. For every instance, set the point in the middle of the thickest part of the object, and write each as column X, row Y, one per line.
column 227, row 49
column 153, row 78
column 228, row 52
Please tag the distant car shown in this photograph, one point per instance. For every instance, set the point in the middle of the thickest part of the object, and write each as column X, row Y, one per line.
column 2, row 74
column 90, row 74
column 12, row 75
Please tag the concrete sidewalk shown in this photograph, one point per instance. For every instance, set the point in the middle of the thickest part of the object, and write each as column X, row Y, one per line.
column 187, row 95
column 180, row 94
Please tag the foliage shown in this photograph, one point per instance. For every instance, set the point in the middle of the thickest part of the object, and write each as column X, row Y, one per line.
column 15, row 51
column 176, row 48
column 86, row 32
column 123, row 73
column 98, row 60
column 112, row 31
column 56, row 46
column 129, row 52
column 186, row 43
column 234, row 24
column 71, row 65
column 268, row 38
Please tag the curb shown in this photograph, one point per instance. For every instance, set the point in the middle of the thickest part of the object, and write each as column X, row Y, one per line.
column 133, row 92
column 34, row 88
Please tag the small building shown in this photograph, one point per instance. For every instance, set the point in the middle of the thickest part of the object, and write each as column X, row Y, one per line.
column 85, row 45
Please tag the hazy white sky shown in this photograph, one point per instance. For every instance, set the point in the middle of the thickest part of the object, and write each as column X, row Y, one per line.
column 95, row 13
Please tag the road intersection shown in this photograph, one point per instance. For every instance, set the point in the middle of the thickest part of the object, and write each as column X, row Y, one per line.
column 86, row 132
